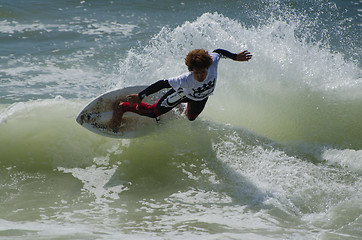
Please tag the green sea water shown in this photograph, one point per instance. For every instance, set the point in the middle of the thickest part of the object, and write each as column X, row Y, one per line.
column 276, row 154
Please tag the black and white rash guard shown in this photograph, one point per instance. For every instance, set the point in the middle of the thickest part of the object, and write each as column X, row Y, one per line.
column 187, row 85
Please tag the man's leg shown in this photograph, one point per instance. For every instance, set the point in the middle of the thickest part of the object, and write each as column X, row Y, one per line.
column 194, row 108
column 144, row 109
column 116, row 117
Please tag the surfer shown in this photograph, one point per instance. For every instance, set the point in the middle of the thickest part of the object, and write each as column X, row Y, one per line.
column 193, row 87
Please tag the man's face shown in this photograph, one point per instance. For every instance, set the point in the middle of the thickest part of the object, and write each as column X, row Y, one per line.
column 200, row 74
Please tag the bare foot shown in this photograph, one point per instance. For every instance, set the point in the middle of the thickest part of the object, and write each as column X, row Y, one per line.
column 116, row 120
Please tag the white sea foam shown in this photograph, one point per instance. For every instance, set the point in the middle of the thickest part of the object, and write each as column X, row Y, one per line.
column 11, row 27
column 347, row 158
column 93, row 28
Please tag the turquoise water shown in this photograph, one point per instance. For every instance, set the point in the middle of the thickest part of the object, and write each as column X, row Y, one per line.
column 276, row 154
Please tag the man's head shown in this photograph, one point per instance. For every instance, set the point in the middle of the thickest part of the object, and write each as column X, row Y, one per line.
column 198, row 58
column 198, row 61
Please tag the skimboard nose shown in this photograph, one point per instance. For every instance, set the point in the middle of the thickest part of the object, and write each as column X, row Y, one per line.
column 81, row 117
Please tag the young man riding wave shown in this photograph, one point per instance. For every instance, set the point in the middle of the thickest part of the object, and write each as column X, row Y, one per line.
column 193, row 87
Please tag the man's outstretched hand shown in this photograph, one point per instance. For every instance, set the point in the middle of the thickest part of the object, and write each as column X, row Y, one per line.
column 243, row 56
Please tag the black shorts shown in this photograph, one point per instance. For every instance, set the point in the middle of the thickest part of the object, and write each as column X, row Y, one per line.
column 172, row 98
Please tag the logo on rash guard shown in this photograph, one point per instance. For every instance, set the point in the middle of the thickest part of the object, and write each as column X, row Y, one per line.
column 205, row 90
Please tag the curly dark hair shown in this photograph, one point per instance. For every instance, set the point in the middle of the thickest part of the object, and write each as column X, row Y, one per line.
column 198, row 58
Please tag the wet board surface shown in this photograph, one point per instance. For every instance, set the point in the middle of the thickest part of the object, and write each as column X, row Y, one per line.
column 96, row 115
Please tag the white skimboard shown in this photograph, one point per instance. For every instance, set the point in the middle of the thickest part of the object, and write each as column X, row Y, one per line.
column 97, row 114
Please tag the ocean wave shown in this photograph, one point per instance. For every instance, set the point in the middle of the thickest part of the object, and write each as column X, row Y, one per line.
column 292, row 89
